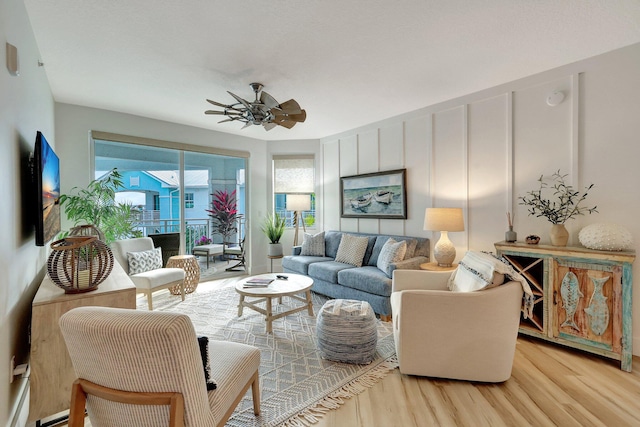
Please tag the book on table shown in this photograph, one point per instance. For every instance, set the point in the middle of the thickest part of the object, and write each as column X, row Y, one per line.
column 257, row 282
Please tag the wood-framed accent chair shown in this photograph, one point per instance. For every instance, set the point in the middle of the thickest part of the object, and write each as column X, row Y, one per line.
column 148, row 281
column 457, row 335
column 145, row 369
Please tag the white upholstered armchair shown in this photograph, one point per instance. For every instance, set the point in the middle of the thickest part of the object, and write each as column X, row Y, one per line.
column 152, row 279
column 145, row 369
column 458, row 335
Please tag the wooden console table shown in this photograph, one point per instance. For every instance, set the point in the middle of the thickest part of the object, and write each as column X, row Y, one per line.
column 52, row 373
column 582, row 297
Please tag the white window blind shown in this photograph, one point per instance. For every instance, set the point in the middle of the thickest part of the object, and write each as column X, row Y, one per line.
column 293, row 174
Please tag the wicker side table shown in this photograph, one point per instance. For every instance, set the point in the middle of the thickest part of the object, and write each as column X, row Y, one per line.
column 189, row 264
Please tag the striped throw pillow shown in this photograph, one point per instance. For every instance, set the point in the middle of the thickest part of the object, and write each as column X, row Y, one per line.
column 313, row 245
column 391, row 252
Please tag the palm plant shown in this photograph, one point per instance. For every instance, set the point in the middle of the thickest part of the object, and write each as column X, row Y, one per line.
column 96, row 205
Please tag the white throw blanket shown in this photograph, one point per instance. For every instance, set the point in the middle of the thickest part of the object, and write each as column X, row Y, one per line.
column 477, row 270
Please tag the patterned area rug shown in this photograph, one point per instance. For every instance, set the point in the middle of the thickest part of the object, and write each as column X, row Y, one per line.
column 297, row 385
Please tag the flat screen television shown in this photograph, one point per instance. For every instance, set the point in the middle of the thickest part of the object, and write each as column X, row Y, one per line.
column 46, row 174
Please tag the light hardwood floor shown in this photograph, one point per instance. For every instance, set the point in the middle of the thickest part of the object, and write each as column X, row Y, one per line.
column 550, row 386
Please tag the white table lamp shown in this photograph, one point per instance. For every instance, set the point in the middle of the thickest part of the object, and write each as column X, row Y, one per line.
column 298, row 203
column 444, row 220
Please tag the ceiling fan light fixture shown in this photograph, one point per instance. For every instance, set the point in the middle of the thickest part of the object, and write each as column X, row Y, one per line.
column 264, row 110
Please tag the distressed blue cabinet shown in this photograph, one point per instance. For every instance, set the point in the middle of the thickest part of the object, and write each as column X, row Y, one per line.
column 582, row 297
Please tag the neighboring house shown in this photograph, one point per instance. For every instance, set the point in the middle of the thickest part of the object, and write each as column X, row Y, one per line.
column 156, row 194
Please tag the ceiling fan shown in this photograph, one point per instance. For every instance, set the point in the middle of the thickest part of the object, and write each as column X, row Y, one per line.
column 265, row 110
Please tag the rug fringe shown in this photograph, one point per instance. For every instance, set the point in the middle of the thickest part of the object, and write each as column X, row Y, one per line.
column 334, row 400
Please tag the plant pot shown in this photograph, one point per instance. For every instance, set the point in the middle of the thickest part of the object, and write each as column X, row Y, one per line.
column 559, row 235
column 274, row 249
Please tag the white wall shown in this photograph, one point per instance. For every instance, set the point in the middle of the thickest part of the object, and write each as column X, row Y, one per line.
column 73, row 124
column 484, row 150
column 26, row 106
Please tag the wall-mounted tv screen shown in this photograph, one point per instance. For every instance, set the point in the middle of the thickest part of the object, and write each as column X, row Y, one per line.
column 46, row 173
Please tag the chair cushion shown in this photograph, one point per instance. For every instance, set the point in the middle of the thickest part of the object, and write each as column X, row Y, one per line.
column 233, row 366
column 391, row 252
column 313, row 244
column 142, row 261
column 157, row 278
column 352, row 249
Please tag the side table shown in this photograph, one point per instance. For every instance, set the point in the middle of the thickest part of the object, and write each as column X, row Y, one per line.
column 272, row 257
column 433, row 266
column 189, row 264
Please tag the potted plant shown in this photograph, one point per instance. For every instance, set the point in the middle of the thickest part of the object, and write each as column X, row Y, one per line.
column 203, row 240
column 224, row 214
column 558, row 203
column 96, row 205
column 273, row 227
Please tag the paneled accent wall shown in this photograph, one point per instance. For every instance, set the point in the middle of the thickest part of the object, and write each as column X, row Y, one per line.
column 484, row 150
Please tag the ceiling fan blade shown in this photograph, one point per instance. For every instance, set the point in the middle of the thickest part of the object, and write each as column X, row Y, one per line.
column 299, row 117
column 291, row 107
column 214, row 112
column 269, row 125
column 218, row 104
column 268, row 100
column 226, row 120
column 240, row 100
column 287, row 123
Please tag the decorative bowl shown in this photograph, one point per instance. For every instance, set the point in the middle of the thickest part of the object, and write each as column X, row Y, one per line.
column 532, row 239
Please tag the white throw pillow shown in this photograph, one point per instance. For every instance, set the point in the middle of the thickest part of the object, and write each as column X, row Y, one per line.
column 352, row 249
column 313, row 245
column 391, row 252
column 139, row 262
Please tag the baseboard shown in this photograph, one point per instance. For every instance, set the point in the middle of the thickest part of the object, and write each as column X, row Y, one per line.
column 20, row 412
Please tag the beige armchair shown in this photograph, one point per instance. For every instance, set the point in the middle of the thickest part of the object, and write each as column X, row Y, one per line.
column 148, row 281
column 145, row 369
column 458, row 335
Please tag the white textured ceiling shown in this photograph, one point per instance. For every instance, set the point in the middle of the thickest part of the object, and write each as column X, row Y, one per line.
column 348, row 63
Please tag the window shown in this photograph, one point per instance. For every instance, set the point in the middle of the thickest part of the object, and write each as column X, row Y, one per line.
column 294, row 175
column 188, row 201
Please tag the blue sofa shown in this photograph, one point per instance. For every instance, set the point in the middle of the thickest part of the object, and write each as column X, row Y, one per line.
column 366, row 283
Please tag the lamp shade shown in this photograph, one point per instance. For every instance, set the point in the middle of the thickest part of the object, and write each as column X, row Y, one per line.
column 443, row 219
column 298, row 202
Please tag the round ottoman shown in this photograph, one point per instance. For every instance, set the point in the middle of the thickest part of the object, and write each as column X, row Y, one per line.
column 347, row 331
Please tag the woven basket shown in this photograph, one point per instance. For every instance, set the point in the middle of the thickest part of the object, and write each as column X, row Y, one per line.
column 79, row 263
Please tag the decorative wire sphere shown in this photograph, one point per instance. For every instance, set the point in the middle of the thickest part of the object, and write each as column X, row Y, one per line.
column 79, row 263
column 87, row 230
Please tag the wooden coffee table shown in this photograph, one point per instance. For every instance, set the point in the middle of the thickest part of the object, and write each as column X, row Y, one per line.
column 294, row 285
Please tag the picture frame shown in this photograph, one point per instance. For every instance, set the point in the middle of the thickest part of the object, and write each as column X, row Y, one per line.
column 381, row 195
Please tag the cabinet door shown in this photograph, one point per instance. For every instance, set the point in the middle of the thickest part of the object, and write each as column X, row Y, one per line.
column 587, row 304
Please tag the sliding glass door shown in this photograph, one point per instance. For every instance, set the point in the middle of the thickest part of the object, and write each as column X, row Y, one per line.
column 172, row 189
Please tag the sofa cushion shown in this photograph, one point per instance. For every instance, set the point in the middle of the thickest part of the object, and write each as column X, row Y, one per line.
column 300, row 263
column 313, row 244
column 352, row 249
column 328, row 271
column 331, row 243
column 391, row 252
column 411, row 248
column 367, row 279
